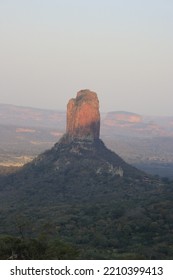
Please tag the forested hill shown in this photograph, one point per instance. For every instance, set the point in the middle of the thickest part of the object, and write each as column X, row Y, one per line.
column 92, row 200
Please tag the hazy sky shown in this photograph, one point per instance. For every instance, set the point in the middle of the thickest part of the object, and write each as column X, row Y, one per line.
column 122, row 49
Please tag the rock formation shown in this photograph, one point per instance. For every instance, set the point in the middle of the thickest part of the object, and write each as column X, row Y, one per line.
column 83, row 117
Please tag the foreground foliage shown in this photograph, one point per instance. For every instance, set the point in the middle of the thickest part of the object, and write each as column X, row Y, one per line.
column 15, row 248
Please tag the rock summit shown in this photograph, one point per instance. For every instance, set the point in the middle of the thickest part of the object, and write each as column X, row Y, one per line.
column 83, row 116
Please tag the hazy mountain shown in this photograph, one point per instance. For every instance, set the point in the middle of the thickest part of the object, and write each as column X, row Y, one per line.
column 27, row 116
column 126, row 123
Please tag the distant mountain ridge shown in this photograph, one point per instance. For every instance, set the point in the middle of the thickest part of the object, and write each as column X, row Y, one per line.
column 122, row 121
column 28, row 116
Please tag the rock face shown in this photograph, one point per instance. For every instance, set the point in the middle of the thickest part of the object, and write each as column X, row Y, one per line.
column 83, row 117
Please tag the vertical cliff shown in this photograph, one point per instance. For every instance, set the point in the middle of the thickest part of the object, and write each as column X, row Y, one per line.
column 83, row 116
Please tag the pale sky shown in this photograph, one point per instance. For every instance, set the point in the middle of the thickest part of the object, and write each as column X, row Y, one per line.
column 121, row 49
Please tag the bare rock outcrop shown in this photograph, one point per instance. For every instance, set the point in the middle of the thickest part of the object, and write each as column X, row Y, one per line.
column 83, row 116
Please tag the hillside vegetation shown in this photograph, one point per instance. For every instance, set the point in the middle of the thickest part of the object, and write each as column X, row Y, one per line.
column 76, row 193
